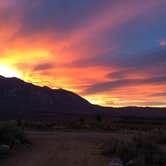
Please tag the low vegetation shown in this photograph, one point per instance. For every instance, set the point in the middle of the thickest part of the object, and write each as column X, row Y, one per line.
column 11, row 135
column 142, row 149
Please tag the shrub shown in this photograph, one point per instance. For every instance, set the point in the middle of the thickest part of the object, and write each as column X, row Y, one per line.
column 121, row 148
column 11, row 134
column 140, row 150
column 157, row 136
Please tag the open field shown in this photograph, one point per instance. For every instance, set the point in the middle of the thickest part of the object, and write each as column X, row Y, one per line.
column 86, row 144
column 61, row 149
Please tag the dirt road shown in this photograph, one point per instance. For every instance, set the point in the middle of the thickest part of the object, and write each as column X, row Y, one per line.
column 61, row 149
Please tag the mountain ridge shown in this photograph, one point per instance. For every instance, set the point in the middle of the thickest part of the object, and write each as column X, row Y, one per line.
column 18, row 96
column 23, row 94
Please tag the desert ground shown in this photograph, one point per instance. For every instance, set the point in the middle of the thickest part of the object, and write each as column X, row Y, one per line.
column 61, row 148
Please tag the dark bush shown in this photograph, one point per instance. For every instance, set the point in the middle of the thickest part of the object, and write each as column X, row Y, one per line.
column 121, row 148
column 141, row 150
column 11, row 134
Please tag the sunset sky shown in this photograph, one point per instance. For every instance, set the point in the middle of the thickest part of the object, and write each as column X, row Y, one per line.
column 111, row 52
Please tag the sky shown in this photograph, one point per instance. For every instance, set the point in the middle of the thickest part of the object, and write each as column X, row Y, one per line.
column 111, row 52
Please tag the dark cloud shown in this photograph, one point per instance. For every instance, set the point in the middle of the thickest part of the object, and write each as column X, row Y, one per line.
column 117, row 75
column 111, row 85
column 153, row 64
column 61, row 16
column 122, row 59
column 44, row 66
column 159, row 94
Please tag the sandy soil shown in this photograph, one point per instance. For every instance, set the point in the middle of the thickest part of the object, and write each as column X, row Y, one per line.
column 61, row 149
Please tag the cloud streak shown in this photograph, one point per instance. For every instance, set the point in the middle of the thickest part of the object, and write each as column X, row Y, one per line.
column 111, row 85
column 44, row 66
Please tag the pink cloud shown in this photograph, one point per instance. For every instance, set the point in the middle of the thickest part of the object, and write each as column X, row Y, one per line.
column 163, row 43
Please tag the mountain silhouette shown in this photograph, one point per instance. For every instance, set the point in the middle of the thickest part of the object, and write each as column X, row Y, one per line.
column 17, row 95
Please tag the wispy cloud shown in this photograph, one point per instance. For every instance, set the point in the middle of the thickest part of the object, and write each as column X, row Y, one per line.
column 111, row 85
column 44, row 66
column 162, row 94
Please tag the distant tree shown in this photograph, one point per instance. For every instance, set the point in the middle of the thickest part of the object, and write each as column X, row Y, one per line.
column 99, row 118
column 82, row 121
column 19, row 123
column 19, row 120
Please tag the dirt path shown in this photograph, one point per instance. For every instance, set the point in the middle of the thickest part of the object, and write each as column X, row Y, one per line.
column 61, row 149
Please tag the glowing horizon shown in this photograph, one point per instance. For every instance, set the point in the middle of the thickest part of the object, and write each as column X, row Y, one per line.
column 112, row 53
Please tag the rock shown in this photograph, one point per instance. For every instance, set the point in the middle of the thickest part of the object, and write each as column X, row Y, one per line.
column 4, row 149
column 115, row 162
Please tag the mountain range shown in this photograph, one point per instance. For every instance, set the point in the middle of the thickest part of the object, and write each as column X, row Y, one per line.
column 19, row 97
